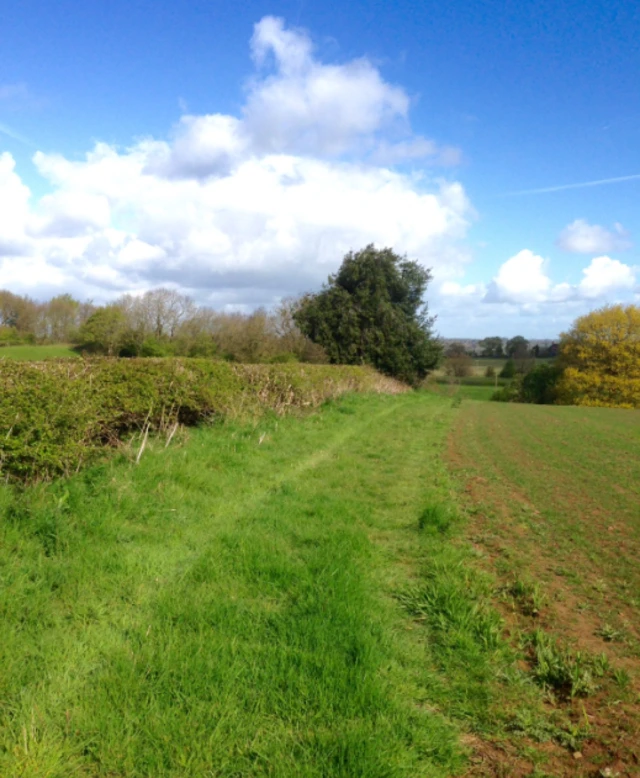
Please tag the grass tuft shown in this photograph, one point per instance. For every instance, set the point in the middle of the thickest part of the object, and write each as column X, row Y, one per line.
column 566, row 672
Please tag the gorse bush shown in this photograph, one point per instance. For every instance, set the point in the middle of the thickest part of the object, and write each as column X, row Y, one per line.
column 55, row 416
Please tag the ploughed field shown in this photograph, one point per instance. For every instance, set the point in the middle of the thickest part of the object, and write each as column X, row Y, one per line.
column 402, row 585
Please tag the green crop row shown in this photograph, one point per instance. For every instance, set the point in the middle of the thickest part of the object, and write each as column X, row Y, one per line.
column 57, row 415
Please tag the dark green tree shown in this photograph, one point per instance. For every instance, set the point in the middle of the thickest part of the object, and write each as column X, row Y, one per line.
column 491, row 347
column 371, row 311
column 509, row 369
column 517, row 346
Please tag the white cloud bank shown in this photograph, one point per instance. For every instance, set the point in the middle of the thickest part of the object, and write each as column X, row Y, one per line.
column 240, row 210
column 523, row 286
column 580, row 237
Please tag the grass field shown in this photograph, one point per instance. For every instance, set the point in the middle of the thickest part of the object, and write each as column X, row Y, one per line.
column 36, row 353
column 323, row 596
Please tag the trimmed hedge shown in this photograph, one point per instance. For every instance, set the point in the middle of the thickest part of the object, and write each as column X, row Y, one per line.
column 57, row 415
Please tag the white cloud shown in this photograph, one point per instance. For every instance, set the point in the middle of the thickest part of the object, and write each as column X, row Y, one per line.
column 523, row 280
column 606, row 275
column 239, row 210
column 580, row 237
column 522, row 287
column 14, row 208
column 520, row 280
column 307, row 106
column 456, row 292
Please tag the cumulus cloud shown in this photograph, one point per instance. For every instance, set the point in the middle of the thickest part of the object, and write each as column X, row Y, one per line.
column 523, row 287
column 239, row 210
column 14, row 208
column 523, row 280
column 580, row 237
column 304, row 105
column 606, row 275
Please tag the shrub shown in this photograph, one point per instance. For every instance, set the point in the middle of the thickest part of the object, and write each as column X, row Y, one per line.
column 459, row 365
column 57, row 415
column 540, row 385
column 509, row 369
column 490, row 372
column 568, row 673
column 507, row 394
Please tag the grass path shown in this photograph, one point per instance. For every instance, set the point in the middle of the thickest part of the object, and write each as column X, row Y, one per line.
column 248, row 603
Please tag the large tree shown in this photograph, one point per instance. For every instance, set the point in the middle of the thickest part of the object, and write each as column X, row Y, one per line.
column 600, row 357
column 372, row 311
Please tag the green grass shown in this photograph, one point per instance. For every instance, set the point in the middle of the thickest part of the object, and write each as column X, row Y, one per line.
column 462, row 391
column 288, row 598
column 36, row 353
column 571, row 478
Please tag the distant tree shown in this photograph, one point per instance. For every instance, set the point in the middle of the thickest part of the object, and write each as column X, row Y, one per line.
column 104, row 332
column 490, row 372
column 518, row 345
column 491, row 347
column 600, row 357
column 61, row 319
column 372, row 311
column 458, row 365
column 18, row 313
column 455, row 349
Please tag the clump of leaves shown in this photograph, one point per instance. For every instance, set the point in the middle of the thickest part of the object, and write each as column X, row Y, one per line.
column 436, row 519
column 528, row 596
column 562, row 670
column 609, row 634
column 541, row 728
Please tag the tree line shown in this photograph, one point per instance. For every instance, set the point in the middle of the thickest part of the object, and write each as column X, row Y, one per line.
column 519, row 354
column 371, row 311
column 160, row 322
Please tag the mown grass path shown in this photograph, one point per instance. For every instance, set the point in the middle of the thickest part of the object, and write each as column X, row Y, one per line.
column 229, row 606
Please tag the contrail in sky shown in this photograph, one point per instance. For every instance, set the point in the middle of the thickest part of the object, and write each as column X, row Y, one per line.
column 583, row 185
column 15, row 135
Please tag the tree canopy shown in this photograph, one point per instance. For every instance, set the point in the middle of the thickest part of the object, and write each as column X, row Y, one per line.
column 372, row 311
column 491, row 347
column 600, row 357
column 517, row 347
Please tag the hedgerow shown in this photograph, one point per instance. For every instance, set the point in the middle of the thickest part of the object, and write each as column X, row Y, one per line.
column 57, row 415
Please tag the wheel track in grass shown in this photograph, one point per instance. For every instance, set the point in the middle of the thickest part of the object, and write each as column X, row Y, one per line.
column 162, row 568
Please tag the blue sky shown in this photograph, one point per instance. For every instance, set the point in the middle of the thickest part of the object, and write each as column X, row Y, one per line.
column 238, row 151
